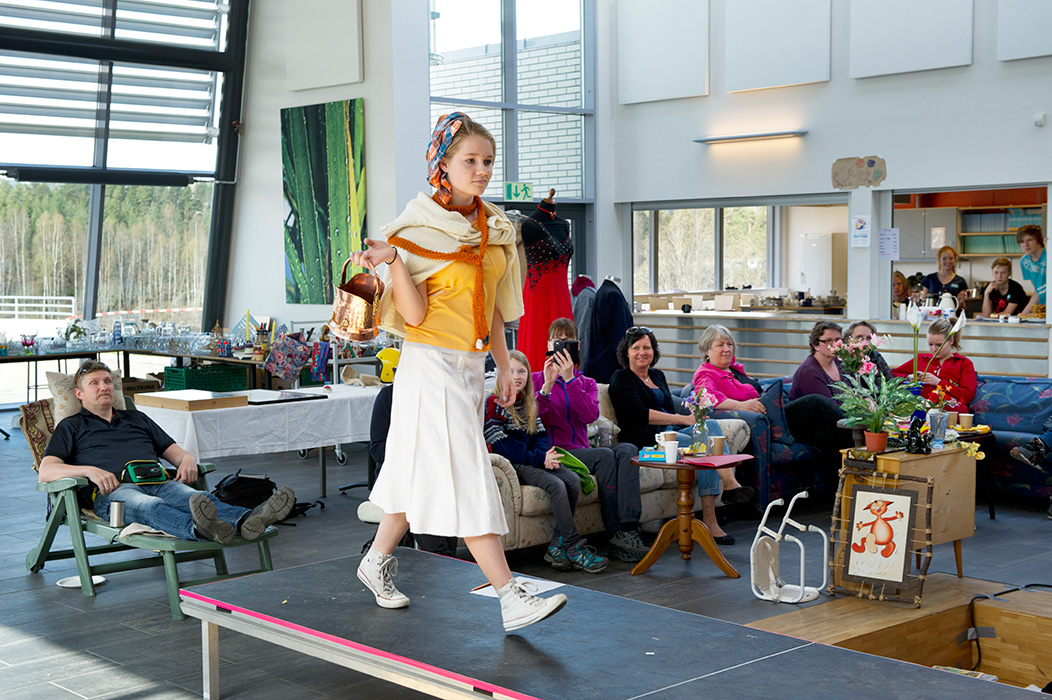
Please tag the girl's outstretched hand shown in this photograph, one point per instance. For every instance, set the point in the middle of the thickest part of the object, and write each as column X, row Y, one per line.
column 376, row 252
column 552, row 459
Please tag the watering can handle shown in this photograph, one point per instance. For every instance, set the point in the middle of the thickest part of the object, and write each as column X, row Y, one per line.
column 343, row 272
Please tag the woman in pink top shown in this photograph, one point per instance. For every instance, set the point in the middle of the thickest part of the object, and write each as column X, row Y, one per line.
column 717, row 346
column 722, row 377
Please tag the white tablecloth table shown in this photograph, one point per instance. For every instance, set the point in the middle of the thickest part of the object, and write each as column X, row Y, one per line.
column 343, row 416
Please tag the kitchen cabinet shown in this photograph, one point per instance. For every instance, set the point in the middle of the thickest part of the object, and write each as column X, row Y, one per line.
column 915, row 231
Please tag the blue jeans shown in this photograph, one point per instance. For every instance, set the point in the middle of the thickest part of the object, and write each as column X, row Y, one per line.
column 1046, row 438
column 164, row 507
column 708, row 479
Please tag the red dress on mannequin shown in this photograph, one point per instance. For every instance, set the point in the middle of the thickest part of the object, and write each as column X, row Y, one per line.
column 546, row 295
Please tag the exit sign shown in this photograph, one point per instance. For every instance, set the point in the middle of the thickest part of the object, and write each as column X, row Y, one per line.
column 518, row 191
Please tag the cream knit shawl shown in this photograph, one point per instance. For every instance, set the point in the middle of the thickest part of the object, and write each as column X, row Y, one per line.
column 428, row 225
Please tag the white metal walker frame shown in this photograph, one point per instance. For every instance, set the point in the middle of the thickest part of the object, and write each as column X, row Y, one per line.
column 765, row 577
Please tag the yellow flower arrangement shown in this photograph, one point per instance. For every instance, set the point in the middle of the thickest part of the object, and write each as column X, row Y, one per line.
column 972, row 450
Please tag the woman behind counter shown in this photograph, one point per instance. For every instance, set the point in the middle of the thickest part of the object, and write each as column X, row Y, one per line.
column 944, row 367
column 946, row 278
column 901, row 291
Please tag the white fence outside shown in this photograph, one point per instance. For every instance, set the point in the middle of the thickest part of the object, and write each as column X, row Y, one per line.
column 26, row 307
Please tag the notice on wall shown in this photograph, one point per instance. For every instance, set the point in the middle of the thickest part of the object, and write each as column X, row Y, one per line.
column 851, row 173
column 860, row 231
column 888, row 243
column 938, row 237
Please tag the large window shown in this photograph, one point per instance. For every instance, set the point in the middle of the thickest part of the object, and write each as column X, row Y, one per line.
column 155, row 243
column 745, row 247
column 700, row 249
column 118, row 225
column 519, row 68
column 43, row 241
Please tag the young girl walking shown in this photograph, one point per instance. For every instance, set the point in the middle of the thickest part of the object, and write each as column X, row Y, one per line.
column 517, row 433
column 451, row 279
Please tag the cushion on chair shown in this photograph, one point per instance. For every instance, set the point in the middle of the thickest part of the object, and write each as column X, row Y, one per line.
column 66, row 402
column 37, row 424
column 606, row 406
column 773, row 401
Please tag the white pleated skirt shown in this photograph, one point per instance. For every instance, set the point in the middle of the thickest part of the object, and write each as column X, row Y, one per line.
column 436, row 469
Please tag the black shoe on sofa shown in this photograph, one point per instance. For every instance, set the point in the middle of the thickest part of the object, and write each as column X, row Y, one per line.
column 1032, row 453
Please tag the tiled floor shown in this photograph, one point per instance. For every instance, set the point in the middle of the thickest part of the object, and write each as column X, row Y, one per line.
column 56, row 643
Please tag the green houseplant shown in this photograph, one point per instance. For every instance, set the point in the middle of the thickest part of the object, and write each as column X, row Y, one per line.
column 871, row 401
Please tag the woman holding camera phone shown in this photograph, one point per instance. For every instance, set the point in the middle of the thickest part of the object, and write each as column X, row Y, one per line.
column 567, row 401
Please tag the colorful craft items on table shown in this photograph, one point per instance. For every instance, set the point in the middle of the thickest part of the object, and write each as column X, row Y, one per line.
column 28, row 342
column 224, row 348
column 318, row 361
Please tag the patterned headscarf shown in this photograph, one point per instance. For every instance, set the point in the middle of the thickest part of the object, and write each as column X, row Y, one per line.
column 445, row 128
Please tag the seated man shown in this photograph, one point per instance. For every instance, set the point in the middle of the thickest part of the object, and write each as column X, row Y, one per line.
column 567, row 401
column 99, row 441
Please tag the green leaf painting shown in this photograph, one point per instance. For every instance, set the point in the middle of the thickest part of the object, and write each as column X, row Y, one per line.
column 323, row 175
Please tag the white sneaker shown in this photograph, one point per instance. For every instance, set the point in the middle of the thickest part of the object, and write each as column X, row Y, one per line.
column 520, row 609
column 377, row 572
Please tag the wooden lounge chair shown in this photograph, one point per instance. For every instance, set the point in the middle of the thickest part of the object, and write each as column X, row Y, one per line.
column 37, row 425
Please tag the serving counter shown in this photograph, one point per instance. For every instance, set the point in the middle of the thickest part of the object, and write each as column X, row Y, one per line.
column 772, row 344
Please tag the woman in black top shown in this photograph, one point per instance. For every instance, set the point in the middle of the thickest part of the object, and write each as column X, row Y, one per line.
column 946, row 279
column 643, row 405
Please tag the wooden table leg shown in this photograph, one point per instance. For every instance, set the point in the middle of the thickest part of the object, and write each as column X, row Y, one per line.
column 685, row 512
column 686, row 531
column 665, row 536
column 700, row 533
column 957, row 556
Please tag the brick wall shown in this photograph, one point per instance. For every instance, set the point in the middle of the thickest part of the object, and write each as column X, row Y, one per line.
column 551, row 146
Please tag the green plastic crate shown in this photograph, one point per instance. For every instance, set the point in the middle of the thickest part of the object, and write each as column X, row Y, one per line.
column 215, row 377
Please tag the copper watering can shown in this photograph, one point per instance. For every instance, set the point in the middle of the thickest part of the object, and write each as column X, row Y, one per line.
column 354, row 306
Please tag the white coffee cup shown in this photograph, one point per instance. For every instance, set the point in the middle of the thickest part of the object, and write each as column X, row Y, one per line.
column 671, row 452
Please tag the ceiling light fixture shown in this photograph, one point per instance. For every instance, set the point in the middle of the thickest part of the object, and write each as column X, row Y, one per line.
column 757, row 136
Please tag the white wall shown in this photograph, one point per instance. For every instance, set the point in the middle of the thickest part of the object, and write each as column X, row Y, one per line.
column 949, row 128
column 396, row 129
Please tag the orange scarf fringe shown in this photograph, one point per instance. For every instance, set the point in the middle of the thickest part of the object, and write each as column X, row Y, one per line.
column 462, row 254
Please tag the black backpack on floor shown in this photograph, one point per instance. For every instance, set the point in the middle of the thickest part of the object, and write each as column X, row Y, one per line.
column 245, row 490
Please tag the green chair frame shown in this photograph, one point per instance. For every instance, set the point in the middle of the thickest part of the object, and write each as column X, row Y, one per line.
column 166, row 552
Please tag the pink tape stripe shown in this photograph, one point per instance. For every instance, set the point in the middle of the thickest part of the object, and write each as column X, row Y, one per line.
column 482, row 685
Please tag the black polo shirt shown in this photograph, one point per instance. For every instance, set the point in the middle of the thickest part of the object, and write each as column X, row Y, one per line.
column 84, row 438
